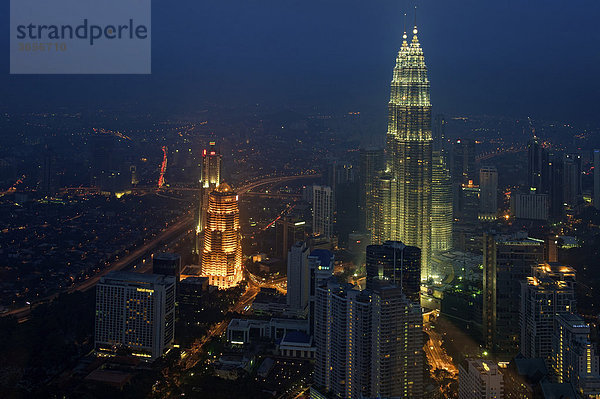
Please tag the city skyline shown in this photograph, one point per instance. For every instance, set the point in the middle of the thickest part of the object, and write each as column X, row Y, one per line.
column 516, row 45
column 248, row 222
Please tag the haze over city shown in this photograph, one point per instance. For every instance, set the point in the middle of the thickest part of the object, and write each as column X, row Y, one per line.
column 500, row 58
column 285, row 199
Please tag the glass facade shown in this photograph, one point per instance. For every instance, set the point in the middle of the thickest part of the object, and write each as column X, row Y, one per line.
column 409, row 151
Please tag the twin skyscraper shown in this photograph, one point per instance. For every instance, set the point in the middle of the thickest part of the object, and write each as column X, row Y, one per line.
column 403, row 193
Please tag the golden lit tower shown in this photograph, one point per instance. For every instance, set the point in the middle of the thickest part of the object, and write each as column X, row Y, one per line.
column 409, row 143
column 210, row 178
column 222, row 250
column 211, row 166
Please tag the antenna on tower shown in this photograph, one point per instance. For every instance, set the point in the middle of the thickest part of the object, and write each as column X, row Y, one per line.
column 415, row 29
column 404, row 34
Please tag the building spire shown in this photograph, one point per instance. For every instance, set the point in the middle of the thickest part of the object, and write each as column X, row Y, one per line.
column 415, row 29
column 404, row 29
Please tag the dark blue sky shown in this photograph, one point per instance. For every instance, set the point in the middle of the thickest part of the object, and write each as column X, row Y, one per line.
column 510, row 57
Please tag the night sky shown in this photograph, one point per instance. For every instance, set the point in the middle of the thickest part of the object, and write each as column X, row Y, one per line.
column 510, row 57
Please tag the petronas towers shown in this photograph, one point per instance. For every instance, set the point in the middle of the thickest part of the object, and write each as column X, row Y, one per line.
column 404, row 200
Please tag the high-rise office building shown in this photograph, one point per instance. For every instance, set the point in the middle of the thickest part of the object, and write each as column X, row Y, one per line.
column 322, row 210
column 385, row 205
column 488, row 186
column 210, row 178
column 556, row 189
column 372, row 161
column 529, row 206
column 222, row 250
column 336, row 370
column 288, row 231
column 135, row 312
column 397, row 344
column 369, row 343
column 463, row 161
column 574, row 357
column 167, row 264
column 398, row 263
column 409, row 146
column 441, row 203
column 347, row 203
column 572, row 181
column 538, row 168
column 438, row 132
column 469, row 203
column 480, row 379
column 507, row 260
column 565, row 182
column 211, row 166
column 597, row 179
column 320, row 267
column 547, row 293
column 298, row 278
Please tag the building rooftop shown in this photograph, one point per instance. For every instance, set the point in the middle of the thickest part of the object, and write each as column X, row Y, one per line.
column 483, row 366
column 533, row 369
column 194, row 280
column 224, row 188
column 136, row 278
column 166, row 256
column 296, row 337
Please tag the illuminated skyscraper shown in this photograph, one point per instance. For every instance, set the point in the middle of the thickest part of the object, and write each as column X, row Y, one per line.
column 384, row 222
column 574, row 356
column 409, row 146
column 369, row 343
column 222, row 251
column 210, row 178
column 548, row 293
column 136, row 312
column 441, row 203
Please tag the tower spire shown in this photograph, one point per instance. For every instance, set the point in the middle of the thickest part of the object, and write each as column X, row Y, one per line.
column 415, row 28
column 404, row 29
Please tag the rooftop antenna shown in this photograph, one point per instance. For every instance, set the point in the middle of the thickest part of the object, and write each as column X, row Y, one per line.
column 404, row 35
column 415, row 30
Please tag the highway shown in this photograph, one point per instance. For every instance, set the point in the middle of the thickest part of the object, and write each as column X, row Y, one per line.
column 183, row 225
column 176, row 229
